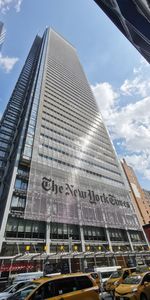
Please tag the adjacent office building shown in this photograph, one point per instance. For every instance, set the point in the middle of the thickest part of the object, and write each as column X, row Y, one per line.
column 132, row 17
column 62, row 187
column 147, row 226
column 140, row 198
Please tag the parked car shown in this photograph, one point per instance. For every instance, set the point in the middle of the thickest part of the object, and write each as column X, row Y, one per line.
column 70, row 287
column 104, row 273
column 117, row 277
column 96, row 277
column 23, row 293
column 12, row 289
column 135, row 286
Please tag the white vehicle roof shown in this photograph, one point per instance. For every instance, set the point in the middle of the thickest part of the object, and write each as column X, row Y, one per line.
column 4, row 295
column 107, row 269
column 27, row 276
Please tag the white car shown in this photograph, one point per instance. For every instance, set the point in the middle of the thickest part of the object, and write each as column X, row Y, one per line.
column 12, row 289
column 23, row 293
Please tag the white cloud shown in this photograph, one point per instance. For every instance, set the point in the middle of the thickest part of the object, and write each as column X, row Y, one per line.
column 105, row 96
column 136, row 86
column 129, row 125
column 7, row 63
column 18, row 5
column 140, row 83
column 6, row 5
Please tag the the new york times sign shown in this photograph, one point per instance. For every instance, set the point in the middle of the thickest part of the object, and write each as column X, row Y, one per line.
column 49, row 184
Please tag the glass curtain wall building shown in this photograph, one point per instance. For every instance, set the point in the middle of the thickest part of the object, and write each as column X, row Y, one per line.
column 132, row 17
column 2, row 34
column 62, row 187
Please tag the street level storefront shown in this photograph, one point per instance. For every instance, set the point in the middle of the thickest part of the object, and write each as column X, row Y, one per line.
column 66, row 262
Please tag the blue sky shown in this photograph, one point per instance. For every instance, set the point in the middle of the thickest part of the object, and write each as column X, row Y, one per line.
column 119, row 76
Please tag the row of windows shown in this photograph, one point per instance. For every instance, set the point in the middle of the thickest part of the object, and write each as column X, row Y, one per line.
column 76, row 128
column 76, row 109
column 4, row 145
column 12, row 109
column 92, row 146
column 7, row 129
column 81, row 90
column 80, row 159
column 49, row 86
column 2, row 153
column 5, row 136
column 23, row 171
column 33, row 117
column 21, row 184
column 78, row 168
column 64, row 85
column 18, row 203
column 10, row 120
column 68, row 96
column 70, row 100
column 94, row 128
column 25, row 228
column 64, row 231
column 12, row 114
column 50, row 99
column 17, row 98
column 118, row 235
column 136, row 236
column 73, row 146
column 36, row 229
column 63, row 70
column 94, row 233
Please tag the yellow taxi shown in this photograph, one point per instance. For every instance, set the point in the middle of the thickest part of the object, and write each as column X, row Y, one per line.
column 134, row 287
column 61, row 287
column 117, row 277
column 96, row 277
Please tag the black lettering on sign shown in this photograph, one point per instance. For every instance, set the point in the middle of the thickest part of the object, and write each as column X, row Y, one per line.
column 46, row 184
column 49, row 184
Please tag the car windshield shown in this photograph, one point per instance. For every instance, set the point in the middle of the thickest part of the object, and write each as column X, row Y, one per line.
column 142, row 269
column 22, row 294
column 18, row 286
column 9, row 288
column 105, row 274
column 132, row 279
column 117, row 274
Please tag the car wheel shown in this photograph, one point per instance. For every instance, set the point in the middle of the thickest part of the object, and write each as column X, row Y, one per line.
column 143, row 297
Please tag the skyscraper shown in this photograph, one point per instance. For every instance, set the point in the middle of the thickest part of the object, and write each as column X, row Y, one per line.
column 2, row 34
column 132, row 17
column 62, row 187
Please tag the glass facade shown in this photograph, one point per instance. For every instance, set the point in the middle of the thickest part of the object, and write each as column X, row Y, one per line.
column 13, row 125
column 132, row 17
column 2, row 34
column 61, row 182
column 74, row 171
